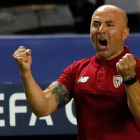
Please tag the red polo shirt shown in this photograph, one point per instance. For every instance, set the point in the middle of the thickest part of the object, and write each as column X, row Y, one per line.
column 100, row 99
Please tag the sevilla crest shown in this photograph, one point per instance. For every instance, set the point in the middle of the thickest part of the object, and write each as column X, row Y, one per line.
column 117, row 80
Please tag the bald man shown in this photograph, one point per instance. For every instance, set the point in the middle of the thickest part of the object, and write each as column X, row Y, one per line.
column 105, row 87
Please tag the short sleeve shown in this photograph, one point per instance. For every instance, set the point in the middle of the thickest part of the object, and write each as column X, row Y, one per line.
column 66, row 78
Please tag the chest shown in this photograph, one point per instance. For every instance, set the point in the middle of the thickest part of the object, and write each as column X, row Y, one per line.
column 98, row 80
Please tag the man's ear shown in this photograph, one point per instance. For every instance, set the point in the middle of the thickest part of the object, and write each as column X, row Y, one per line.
column 125, row 33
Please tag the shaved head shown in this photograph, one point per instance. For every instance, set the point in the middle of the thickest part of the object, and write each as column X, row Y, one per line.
column 112, row 7
column 108, row 30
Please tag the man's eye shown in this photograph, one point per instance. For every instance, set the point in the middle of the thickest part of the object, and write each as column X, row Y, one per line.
column 96, row 24
column 110, row 24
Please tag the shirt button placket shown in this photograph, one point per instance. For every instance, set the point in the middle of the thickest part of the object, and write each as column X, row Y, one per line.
column 102, row 68
column 101, row 75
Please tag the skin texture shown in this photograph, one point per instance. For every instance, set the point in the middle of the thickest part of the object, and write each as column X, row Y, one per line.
column 108, row 23
column 41, row 102
column 108, row 32
column 61, row 94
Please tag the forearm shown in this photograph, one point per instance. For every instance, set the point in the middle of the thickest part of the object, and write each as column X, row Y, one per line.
column 41, row 102
column 133, row 96
column 35, row 96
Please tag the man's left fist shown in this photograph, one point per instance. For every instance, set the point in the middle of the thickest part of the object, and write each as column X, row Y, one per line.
column 126, row 66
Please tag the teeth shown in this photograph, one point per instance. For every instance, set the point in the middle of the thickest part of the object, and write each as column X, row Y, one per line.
column 103, row 46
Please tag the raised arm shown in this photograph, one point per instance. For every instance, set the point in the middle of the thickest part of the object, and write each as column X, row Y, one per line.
column 41, row 102
column 126, row 68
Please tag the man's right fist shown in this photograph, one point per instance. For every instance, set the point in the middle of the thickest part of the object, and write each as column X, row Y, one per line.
column 23, row 59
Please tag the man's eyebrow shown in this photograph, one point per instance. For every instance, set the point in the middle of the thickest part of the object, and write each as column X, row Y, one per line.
column 110, row 21
column 95, row 20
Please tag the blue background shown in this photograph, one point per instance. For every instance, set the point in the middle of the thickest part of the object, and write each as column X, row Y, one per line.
column 51, row 54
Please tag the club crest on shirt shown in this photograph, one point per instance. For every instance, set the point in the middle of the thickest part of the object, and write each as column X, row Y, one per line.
column 117, row 80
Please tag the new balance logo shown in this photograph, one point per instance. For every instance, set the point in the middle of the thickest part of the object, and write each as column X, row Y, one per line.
column 83, row 79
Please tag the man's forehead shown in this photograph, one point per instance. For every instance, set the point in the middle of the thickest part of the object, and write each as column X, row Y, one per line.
column 110, row 12
column 106, row 15
column 107, row 11
column 106, row 18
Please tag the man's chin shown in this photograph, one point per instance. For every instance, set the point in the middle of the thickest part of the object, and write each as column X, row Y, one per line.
column 102, row 55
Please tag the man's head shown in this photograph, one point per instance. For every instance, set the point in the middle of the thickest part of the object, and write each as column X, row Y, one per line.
column 108, row 31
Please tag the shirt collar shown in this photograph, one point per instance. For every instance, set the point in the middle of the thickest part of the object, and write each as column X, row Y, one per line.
column 113, row 61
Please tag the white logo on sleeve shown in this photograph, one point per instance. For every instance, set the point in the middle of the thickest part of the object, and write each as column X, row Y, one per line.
column 83, row 79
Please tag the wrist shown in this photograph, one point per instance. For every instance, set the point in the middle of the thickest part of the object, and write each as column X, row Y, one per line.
column 131, row 80
column 25, row 74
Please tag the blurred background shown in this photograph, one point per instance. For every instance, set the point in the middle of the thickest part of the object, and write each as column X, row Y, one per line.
column 56, row 17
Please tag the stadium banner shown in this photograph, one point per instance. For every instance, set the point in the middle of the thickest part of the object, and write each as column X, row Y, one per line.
column 17, row 119
column 51, row 54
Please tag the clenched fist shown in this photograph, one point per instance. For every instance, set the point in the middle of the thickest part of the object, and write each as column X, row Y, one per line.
column 23, row 59
column 126, row 66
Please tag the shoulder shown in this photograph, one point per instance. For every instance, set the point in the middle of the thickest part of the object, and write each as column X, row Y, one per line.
column 84, row 61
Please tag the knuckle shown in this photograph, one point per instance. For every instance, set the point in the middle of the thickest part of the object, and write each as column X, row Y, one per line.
column 120, row 61
column 128, row 54
column 18, row 59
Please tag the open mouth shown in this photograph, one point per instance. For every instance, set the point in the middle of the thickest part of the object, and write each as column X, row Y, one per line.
column 103, row 44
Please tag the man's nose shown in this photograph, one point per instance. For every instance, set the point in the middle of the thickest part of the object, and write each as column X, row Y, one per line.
column 102, row 29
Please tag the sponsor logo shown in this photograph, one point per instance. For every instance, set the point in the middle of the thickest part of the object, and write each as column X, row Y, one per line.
column 117, row 80
column 83, row 79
